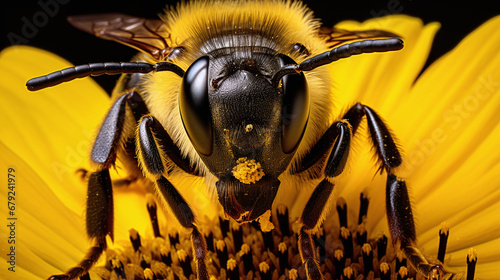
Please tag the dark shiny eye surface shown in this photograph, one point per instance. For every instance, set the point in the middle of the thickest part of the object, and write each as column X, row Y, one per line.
column 295, row 107
column 194, row 106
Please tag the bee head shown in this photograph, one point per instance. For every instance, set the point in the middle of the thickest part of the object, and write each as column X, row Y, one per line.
column 245, row 129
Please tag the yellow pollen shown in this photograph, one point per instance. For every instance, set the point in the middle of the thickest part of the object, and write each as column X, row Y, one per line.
column 366, row 248
column 247, row 171
column 249, row 127
column 263, row 267
column 265, row 222
column 339, row 254
column 293, row 274
column 148, row 274
column 245, row 248
column 282, row 247
column 231, row 264
column 348, row 272
column 384, row 267
column 344, row 232
column 445, row 228
column 472, row 255
column 182, row 255
column 220, row 244
column 403, row 271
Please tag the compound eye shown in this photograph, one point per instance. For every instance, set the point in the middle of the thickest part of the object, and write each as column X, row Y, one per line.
column 295, row 107
column 194, row 106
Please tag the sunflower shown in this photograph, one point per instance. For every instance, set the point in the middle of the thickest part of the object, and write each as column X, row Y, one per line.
column 446, row 120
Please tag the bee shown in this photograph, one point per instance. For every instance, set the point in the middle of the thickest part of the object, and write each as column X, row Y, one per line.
column 234, row 93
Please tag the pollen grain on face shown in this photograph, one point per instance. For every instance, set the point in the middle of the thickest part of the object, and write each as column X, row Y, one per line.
column 248, row 171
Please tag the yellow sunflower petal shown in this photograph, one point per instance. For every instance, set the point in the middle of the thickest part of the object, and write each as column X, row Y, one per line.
column 67, row 115
column 45, row 137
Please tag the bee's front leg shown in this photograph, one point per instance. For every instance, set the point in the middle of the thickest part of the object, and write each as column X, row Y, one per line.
column 152, row 156
column 315, row 209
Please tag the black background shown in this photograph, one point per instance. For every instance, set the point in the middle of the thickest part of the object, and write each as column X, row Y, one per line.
column 458, row 18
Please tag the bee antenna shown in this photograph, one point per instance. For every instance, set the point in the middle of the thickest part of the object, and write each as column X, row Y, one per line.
column 344, row 51
column 96, row 69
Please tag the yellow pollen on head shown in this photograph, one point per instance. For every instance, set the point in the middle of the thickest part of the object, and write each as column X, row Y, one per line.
column 265, row 222
column 247, row 171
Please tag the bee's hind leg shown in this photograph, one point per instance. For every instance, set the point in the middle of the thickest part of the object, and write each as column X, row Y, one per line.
column 152, row 156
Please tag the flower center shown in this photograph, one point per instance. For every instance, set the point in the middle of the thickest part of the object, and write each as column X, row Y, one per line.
column 246, row 251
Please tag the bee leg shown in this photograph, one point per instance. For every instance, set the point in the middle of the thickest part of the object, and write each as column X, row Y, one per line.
column 398, row 206
column 99, row 218
column 185, row 216
column 315, row 209
column 402, row 228
column 152, row 155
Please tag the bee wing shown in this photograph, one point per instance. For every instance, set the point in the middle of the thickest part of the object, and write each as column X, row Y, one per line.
column 146, row 35
column 336, row 36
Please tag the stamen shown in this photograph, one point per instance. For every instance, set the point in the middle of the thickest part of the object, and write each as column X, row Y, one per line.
column 145, row 261
column 237, row 235
column 247, row 258
column 224, row 226
column 151, row 205
column 283, row 220
column 381, row 247
column 185, row 262
column 385, row 271
column 319, row 241
column 443, row 240
column 149, row 275
column 173, row 237
column 268, row 240
column 403, row 273
column 342, row 212
column 349, row 273
column 265, row 271
column 367, row 254
column 135, row 238
column 293, row 274
column 166, row 257
column 471, row 263
column 340, row 255
column 283, row 257
column 346, row 239
column 117, row 266
column 232, row 269
column 363, row 206
column 361, row 237
column 210, row 241
column 338, row 263
column 400, row 260
column 221, row 250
